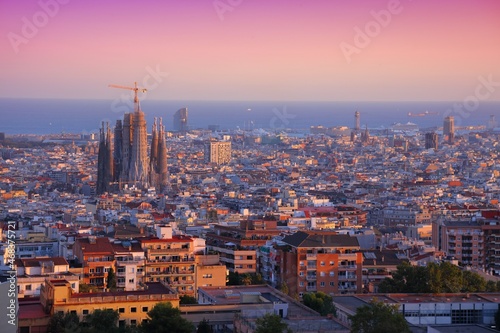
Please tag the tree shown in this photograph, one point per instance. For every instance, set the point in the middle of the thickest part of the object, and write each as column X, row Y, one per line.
column 64, row 323
column 233, row 279
column 378, row 317
column 104, row 320
column 491, row 286
column 163, row 318
column 284, row 288
column 186, row 299
column 86, row 288
column 204, row 327
column 271, row 323
column 111, row 283
column 246, row 279
column 320, row 302
column 473, row 282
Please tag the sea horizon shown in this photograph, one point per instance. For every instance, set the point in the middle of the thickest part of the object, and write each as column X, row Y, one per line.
column 43, row 116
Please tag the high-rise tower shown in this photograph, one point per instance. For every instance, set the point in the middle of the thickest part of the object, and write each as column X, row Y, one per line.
column 431, row 140
column 357, row 123
column 181, row 120
column 117, row 153
column 449, row 128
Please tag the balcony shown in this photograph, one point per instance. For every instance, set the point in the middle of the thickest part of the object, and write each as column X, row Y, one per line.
column 311, row 256
column 95, row 275
column 312, row 268
column 349, row 267
column 311, row 277
column 311, row 288
column 347, row 277
column 155, row 251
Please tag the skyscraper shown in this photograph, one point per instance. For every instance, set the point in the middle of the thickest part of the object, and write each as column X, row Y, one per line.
column 449, row 128
column 357, row 123
column 431, row 140
column 181, row 120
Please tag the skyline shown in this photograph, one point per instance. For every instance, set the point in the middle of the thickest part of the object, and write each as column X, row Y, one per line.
column 242, row 50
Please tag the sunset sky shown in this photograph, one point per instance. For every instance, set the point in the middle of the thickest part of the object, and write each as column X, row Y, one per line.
column 250, row 49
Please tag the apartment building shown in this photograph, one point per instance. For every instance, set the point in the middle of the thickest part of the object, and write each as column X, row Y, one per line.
column 321, row 261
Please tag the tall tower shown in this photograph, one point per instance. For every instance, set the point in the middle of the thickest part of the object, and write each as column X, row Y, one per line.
column 104, row 160
column 162, row 159
column 127, row 139
column 153, row 156
column 431, row 140
column 117, row 153
column 449, row 128
column 139, row 164
column 357, row 123
column 181, row 120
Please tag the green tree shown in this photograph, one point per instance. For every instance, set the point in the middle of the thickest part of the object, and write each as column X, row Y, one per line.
column 472, row 282
column 491, row 286
column 378, row 317
column 86, row 288
column 186, row 299
column 271, row 323
column 256, row 278
column 284, row 288
column 111, row 282
column 320, row 302
column 102, row 320
column 246, row 279
column 204, row 327
column 453, row 281
column 163, row 318
column 64, row 323
column 233, row 279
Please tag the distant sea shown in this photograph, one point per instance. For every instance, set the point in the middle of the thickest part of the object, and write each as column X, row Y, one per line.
column 53, row 116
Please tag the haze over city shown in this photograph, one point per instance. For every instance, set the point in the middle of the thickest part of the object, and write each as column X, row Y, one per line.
column 251, row 50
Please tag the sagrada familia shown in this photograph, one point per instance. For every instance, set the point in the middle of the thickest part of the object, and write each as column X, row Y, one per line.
column 124, row 160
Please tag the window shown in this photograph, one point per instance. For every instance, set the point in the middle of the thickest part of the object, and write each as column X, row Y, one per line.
column 321, row 284
column 207, row 276
column 121, row 310
column 28, row 287
column 332, row 263
column 145, row 309
column 332, row 284
column 85, row 312
column 133, row 322
column 332, row 273
column 132, row 270
column 249, row 257
column 121, row 323
column 322, row 274
column 322, row 263
column 131, row 281
column 301, row 263
column 120, row 270
column 301, row 283
column 92, row 270
column 134, row 309
column 73, row 312
column 301, row 273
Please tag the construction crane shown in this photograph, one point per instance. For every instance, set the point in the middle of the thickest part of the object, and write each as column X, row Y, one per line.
column 135, row 89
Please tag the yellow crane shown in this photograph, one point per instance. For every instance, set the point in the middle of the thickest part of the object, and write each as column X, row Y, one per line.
column 135, row 89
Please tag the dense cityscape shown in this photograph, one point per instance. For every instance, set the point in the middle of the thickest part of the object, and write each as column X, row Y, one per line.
column 230, row 225
column 232, row 166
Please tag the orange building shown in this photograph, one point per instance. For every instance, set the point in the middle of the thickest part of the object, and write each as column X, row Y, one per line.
column 321, row 261
column 96, row 254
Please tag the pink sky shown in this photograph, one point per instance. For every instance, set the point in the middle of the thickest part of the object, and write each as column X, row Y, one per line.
column 260, row 50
